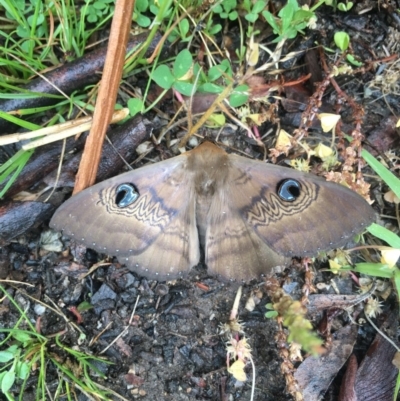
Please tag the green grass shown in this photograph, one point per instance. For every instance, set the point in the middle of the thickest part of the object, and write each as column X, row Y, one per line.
column 25, row 353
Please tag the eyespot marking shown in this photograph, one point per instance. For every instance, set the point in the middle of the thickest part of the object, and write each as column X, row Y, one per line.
column 289, row 190
column 125, row 195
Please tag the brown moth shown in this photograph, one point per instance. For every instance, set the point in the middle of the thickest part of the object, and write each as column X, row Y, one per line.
column 248, row 215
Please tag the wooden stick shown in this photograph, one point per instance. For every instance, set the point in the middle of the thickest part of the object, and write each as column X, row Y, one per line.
column 107, row 96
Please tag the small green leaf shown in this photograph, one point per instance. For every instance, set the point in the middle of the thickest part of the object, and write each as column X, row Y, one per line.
column 84, row 306
column 186, row 88
column 294, row 4
column 21, row 336
column 247, row 5
column 229, row 5
column 182, row 63
column 215, row 29
column 351, row 59
column 286, row 15
column 217, row 9
column 23, row 32
column 14, row 349
column 216, row 120
column 7, row 381
column 143, row 21
column 163, row 77
column 22, row 370
column 345, row 6
column 99, row 5
column 227, row 64
column 271, row 20
column 302, row 16
column 233, row 15
column 251, row 17
column 216, row 72
column 259, row 6
column 271, row 314
column 92, row 18
column 39, row 19
column 342, row 40
column 239, row 96
column 196, row 70
column 290, row 33
column 210, row 88
column 154, row 9
column 173, row 36
column 141, row 5
column 6, row 356
column 184, row 27
column 135, row 106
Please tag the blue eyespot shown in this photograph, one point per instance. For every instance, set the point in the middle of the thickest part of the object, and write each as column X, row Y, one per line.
column 289, row 190
column 126, row 194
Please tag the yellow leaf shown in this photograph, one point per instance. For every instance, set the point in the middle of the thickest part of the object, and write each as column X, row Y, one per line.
column 283, row 141
column 322, row 151
column 328, row 121
column 252, row 52
column 237, row 370
column 335, row 266
column 390, row 256
column 216, row 120
column 256, row 118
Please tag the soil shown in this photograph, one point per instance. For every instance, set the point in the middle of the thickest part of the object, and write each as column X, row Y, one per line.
column 173, row 346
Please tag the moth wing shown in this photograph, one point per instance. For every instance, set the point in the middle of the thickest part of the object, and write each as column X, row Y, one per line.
column 323, row 216
column 156, row 235
column 251, row 229
column 233, row 250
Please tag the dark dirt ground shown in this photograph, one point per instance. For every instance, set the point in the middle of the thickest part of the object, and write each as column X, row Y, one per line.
column 172, row 348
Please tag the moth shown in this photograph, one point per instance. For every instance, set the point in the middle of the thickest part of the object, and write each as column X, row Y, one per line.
column 247, row 215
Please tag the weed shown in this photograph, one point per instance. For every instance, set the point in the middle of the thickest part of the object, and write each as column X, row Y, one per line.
column 292, row 20
column 25, row 352
column 293, row 317
column 226, row 9
column 98, row 9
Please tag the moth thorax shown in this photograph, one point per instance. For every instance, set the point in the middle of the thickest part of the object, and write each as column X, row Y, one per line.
column 210, row 168
column 205, row 185
column 208, row 181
